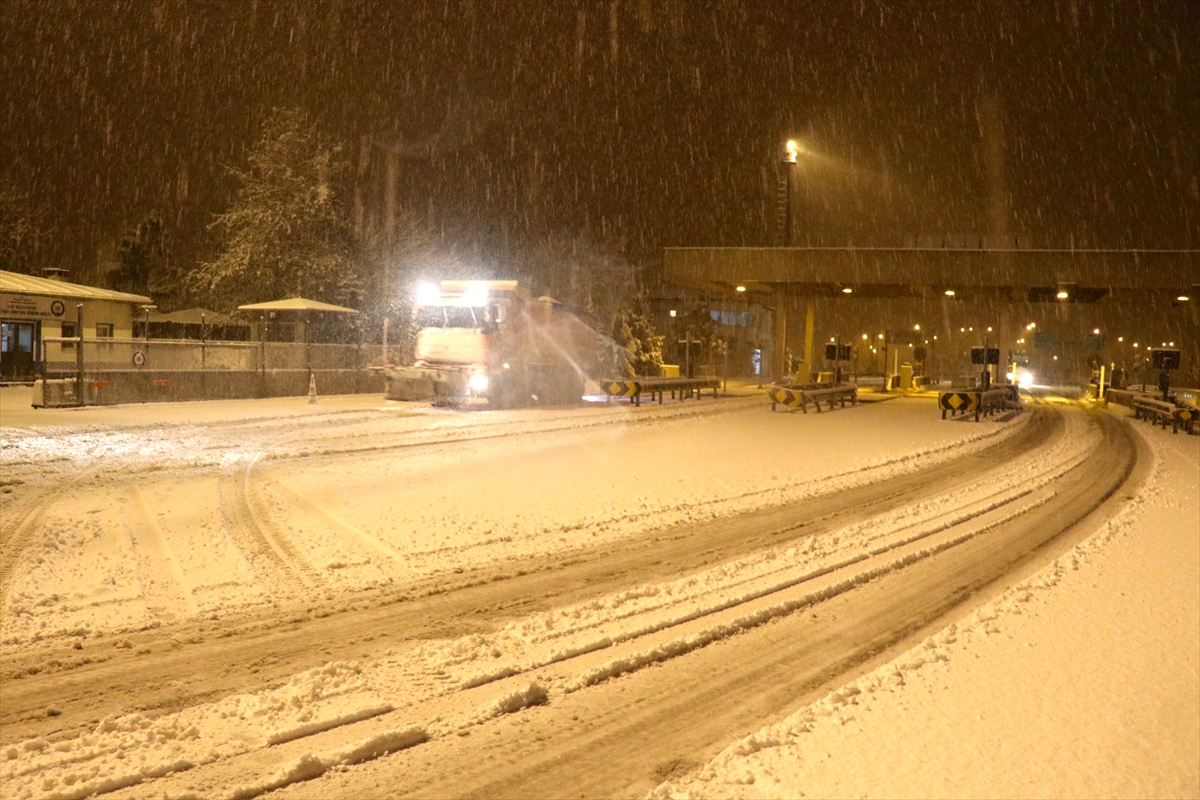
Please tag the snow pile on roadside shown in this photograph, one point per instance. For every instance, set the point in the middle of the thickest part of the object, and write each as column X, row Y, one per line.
column 126, row 750
column 313, row 765
column 1056, row 688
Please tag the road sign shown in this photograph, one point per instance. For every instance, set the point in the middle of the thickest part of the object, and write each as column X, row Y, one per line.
column 1094, row 341
column 621, row 388
column 958, row 401
column 919, row 354
column 1164, row 358
column 785, row 397
column 1043, row 341
column 985, row 355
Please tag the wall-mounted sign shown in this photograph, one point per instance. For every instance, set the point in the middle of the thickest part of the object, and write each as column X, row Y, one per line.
column 31, row 306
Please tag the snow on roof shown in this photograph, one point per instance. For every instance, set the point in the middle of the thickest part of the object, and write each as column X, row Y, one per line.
column 31, row 284
column 296, row 304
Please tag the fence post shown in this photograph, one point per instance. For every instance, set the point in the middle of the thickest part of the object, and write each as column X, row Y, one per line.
column 262, row 358
column 79, row 354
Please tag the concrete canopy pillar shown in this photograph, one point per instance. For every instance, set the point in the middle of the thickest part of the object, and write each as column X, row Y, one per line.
column 779, row 368
column 810, row 313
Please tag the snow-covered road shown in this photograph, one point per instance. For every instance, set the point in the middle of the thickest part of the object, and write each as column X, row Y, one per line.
column 363, row 580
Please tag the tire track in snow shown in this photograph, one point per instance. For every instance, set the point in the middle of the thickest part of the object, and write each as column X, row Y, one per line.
column 343, row 529
column 16, row 537
column 166, row 591
column 700, row 696
column 272, row 557
column 441, row 605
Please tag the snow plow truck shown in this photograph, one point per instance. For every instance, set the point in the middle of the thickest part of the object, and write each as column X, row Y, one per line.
column 491, row 339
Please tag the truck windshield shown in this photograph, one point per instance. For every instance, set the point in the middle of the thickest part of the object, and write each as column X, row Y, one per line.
column 449, row 317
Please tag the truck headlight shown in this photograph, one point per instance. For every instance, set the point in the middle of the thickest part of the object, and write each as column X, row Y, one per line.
column 478, row 383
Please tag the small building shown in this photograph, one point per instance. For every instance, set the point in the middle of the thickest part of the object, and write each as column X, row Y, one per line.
column 34, row 309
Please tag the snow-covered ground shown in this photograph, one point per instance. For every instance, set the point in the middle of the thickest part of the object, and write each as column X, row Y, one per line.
column 1056, row 688
column 149, row 529
column 1080, row 681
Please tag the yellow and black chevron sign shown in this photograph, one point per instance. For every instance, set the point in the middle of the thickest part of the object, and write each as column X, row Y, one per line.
column 785, row 397
column 1185, row 414
column 621, row 388
column 958, row 401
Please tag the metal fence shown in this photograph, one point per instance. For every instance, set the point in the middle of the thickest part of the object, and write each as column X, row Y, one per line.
column 109, row 371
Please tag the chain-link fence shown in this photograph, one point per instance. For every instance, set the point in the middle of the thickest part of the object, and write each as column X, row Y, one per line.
column 110, row 371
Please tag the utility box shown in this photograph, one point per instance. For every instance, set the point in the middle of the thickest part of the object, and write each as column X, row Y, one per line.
column 906, row 376
column 670, row 370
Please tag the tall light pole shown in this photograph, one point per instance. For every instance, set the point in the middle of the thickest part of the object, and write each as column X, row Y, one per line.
column 791, row 155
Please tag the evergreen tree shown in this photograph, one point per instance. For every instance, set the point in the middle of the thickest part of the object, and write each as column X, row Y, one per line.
column 285, row 234
column 143, row 258
column 20, row 230
column 638, row 347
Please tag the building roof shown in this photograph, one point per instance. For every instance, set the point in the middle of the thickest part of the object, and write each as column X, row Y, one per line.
column 17, row 283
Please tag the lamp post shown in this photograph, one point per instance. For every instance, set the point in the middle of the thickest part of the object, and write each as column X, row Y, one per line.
column 790, row 157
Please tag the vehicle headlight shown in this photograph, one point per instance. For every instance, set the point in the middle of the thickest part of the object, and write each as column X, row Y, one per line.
column 478, row 383
column 1025, row 379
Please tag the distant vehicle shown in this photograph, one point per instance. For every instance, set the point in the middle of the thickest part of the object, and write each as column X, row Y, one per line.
column 491, row 339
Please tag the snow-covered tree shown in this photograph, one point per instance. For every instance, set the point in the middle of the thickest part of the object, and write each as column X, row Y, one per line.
column 20, row 230
column 285, row 234
column 143, row 258
column 638, row 347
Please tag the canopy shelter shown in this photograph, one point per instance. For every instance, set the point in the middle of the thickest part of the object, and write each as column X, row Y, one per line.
column 294, row 313
column 288, row 320
column 297, row 304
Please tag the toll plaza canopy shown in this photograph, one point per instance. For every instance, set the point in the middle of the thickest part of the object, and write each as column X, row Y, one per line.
column 1004, row 285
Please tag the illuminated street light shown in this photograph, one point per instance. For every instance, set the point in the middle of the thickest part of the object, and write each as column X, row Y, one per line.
column 1183, row 298
column 1120, row 338
column 949, row 293
column 989, row 329
column 793, row 151
column 741, row 288
column 1062, row 295
column 846, row 290
column 916, row 327
column 791, row 155
column 864, row 336
column 1096, row 331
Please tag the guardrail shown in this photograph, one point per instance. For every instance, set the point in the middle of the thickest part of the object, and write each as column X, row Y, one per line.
column 981, row 403
column 799, row 395
column 1160, row 412
column 1179, row 412
column 634, row 388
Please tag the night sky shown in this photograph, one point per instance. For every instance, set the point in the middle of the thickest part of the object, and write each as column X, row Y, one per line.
column 645, row 124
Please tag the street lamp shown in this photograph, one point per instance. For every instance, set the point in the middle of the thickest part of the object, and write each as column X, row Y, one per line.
column 791, row 157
